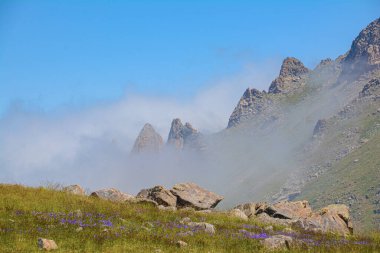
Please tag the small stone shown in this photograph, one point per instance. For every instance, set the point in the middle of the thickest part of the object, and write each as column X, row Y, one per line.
column 181, row 244
column 356, row 160
column 268, row 228
column 185, row 220
column 46, row 244
column 202, row 226
column 187, row 233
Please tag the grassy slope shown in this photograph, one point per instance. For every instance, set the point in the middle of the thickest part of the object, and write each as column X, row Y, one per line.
column 355, row 179
column 29, row 213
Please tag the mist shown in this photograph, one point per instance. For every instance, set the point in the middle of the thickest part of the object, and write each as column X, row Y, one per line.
column 91, row 145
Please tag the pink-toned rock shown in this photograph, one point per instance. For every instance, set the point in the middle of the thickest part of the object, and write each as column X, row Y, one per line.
column 46, row 244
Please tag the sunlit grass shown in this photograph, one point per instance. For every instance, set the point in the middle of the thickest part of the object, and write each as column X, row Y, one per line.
column 85, row 224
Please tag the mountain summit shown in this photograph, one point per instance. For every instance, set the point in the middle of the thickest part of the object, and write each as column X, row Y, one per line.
column 148, row 141
column 180, row 134
column 364, row 54
column 292, row 70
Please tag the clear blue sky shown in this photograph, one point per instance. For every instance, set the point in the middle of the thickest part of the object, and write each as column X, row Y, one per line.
column 70, row 53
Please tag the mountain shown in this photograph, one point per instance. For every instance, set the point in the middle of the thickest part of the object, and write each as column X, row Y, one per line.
column 313, row 135
column 180, row 135
column 148, row 141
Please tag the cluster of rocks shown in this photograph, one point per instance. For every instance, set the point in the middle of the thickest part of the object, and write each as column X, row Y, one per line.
column 180, row 137
column 293, row 215
column 298, row 214
column 183, row 195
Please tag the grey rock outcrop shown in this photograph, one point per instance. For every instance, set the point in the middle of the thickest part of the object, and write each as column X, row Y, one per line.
column 194, row 196
column 148, row 141
column 158, row 194
column 320, row 127
column 251, row 103
column 372, row 87
column 331, row 219
column 364, row 54
column 181, row 136
column 291, row 74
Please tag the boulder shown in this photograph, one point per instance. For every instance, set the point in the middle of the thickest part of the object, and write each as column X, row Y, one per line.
column 46, row 244
column 278, row 242
column 160, row 195
column 192, row 195
column 112, row 194
column 249, row 209
column 75, row 189
column 202, row 226
column 290, row 210
column 237, row 213
column 330, row 219
column 181, row 244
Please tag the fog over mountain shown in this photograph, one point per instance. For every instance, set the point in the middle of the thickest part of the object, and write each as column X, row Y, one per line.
column 267, row 145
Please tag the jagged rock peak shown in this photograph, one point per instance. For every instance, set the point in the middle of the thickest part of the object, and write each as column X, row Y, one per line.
column 148, row 141
column 364, row 54
column 252, row 93
column 180, row 133
column 292, row 70
column 251, row 103
column 324, row 62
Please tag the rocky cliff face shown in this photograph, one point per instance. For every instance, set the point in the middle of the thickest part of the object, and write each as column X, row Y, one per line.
column 181, row 135
column 291, row 74
column 148, row 141
column 364, row 54
column 251, row 103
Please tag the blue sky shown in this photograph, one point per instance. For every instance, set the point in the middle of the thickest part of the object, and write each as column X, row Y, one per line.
column 74, row 53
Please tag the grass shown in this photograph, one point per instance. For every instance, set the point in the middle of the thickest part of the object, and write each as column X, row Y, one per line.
column 29, row 213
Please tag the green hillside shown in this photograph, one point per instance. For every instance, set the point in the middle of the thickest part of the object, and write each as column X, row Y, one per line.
column 86, row 224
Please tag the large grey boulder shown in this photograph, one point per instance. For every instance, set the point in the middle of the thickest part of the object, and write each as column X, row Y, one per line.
column 160, row 195
column 194, row 196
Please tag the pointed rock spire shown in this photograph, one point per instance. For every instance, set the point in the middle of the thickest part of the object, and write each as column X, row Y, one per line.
column 148, row 141
column 251, row 103
column 292, row 71
column 179, row 134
